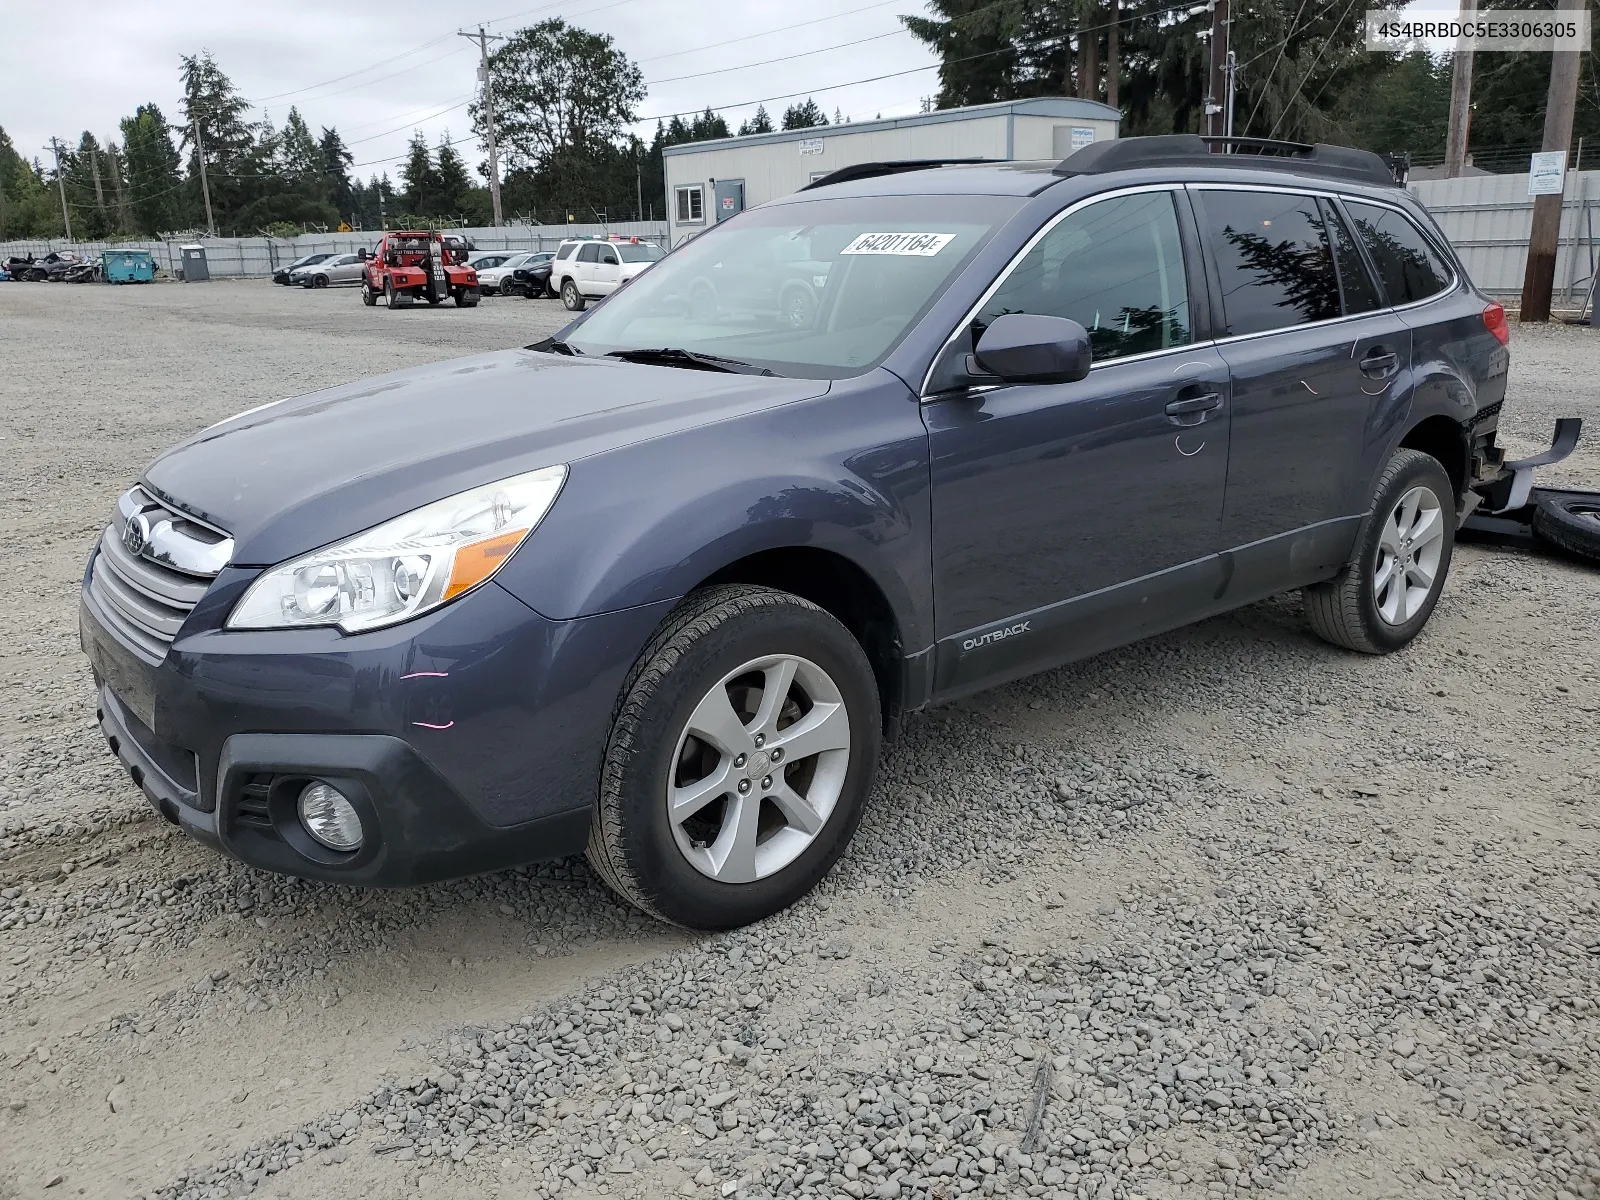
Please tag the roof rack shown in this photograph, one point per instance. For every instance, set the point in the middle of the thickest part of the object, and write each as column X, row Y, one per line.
column 1192, row 150
column 871, row 170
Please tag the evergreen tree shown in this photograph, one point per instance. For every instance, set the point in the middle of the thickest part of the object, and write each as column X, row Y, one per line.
column 760, row 123
column 235, row 160
column 299, row 157
column 456, row 191
column 420, row 179
column 154, row 197
column 336, row 163
column 804, row 116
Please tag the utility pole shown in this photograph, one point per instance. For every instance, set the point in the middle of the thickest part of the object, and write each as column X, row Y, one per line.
column 1114, row 53
column 94, row 166
column 1230, row 68
column 116, row 185
column 1219, row 58
column 205, row 186
column 638, row 184
column 61, row 183
column 1538, row 281
column 482, row 39
column 1455, row 152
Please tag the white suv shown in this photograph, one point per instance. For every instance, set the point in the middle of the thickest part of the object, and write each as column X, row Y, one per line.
column 587, row 269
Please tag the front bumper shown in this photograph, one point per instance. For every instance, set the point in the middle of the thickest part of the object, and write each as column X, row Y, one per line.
column 468, row 740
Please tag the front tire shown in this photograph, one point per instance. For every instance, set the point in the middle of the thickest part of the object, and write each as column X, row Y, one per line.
column 740, row 759
column 320, row 281
column 571, row 298
column 1387, row 591
column 368, row 296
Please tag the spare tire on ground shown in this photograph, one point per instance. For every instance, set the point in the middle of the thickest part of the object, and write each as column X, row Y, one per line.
column 1570, row 520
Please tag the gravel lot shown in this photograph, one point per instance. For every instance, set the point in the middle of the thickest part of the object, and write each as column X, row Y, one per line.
column 1228, row 913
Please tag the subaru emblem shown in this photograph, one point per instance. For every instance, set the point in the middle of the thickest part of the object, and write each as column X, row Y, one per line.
column 135, row 534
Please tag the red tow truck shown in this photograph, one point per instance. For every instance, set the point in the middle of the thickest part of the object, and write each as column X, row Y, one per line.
column 419, row 264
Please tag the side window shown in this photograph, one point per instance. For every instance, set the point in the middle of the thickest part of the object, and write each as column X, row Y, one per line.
column 1411, row 269
column 1355, row 282
column 589, row 254
column 1273, row 256
column 691, row 205
column 565, row 251
column 1116, row 268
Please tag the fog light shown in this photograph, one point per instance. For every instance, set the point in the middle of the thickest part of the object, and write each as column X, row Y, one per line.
column 329, row 817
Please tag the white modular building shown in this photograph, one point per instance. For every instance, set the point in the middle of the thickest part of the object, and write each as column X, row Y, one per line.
column 711, row 181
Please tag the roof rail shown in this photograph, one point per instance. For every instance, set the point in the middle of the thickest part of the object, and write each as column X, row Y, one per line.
column 871, row 170
column 1191, row 150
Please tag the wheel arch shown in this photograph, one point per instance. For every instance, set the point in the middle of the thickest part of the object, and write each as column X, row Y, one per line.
column 847, row 592
column 1444, row 438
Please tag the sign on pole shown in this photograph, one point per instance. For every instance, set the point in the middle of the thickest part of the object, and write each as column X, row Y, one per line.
column 1547, row 173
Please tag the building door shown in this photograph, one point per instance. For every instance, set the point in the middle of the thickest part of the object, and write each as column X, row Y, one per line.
column 729, row 198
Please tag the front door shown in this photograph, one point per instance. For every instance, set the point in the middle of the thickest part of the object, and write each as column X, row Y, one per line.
column 1072, row 517
column 1314, row 354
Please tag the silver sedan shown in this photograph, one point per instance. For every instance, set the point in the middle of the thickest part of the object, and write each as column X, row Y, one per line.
column 331, row 272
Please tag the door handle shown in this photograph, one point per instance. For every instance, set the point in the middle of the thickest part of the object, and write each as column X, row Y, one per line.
column 1379, row 363
column 1194, row 406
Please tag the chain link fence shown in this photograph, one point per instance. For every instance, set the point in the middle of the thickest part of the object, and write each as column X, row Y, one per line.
column 259, row 257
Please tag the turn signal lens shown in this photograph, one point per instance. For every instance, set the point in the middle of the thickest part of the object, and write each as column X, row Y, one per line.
column 1494, row 317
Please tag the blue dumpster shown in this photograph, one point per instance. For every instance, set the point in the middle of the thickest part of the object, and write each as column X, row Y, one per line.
column 127, row 266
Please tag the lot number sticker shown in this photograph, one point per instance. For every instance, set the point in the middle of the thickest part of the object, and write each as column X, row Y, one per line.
column 922, row 245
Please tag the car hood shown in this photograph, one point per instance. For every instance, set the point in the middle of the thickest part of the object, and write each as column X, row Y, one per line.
column 295, row 475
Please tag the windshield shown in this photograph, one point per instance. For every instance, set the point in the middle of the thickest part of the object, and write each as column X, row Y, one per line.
column 639, row 253
column 820, row 289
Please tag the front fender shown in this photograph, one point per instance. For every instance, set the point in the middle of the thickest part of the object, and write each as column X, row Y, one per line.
column 845, row 472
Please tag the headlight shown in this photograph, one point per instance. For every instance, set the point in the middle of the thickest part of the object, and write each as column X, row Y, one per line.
column 405, row 566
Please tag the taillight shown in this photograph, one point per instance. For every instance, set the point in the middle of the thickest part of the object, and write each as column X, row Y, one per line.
column 1494, row 318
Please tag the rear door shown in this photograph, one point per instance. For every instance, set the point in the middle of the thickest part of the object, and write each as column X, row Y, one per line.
column 1315, row 359
column 585, row 269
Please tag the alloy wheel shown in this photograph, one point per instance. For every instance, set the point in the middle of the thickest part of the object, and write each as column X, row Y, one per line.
column 1409, row 550
column 758, row 768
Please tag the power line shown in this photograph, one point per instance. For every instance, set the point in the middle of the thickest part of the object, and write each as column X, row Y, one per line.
column 782, row 58
column 374, row 136
column 311, row 87
column 768, row 32
column 833, row 87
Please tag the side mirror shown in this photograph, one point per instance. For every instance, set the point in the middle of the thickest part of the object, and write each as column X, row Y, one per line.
column 1027, row 348
column 363, row 254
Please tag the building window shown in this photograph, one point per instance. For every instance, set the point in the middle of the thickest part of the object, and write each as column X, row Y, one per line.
column 691, row 205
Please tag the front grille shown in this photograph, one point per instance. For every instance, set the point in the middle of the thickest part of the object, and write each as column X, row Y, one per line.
column 144, row 586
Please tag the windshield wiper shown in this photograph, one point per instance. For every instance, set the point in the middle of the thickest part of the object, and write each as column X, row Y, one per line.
column 694, row 360
column 554, row 346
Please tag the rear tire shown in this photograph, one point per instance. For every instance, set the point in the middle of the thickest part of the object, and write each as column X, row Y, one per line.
column 1571, row 522
column 724, row 651
column 1385, row 594
column 389, row 295
column 571, row 298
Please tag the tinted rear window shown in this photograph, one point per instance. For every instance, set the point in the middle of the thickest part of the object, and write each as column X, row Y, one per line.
column 1410, row 268
column 1355, row 281
column 1273, row 254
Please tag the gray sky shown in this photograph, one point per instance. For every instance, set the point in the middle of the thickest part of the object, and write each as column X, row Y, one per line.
column 292, row 52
